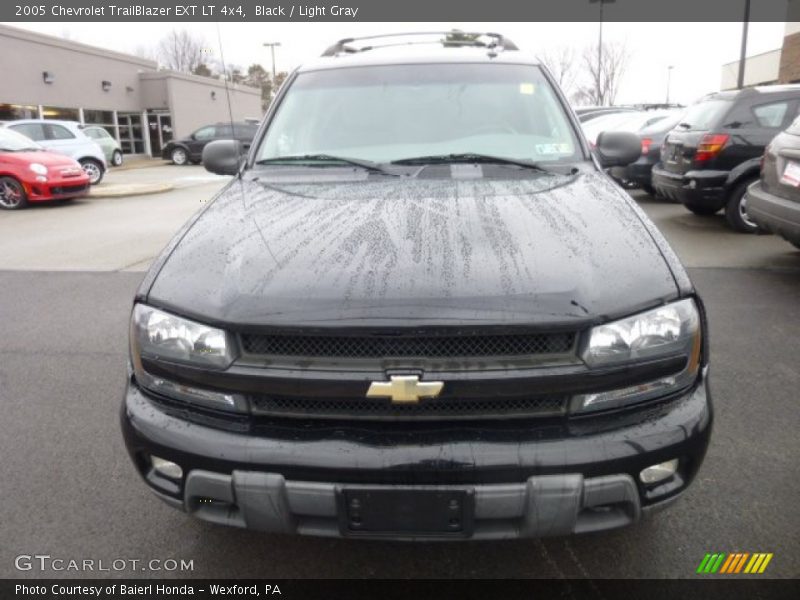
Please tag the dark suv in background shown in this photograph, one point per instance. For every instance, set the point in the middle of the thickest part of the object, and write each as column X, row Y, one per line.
column 190, row 149
column 714, row 153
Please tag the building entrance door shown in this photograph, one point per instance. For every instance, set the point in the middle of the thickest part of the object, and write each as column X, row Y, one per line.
column 160, row 127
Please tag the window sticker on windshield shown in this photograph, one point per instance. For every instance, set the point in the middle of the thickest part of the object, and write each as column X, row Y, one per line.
column 553, row 149
column 527, row 88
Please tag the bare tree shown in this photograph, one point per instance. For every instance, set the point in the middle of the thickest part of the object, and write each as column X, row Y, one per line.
column 561, row 63
column 181, row 50
column 602, row 77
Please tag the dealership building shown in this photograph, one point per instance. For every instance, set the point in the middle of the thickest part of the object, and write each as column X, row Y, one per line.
column 141, row 106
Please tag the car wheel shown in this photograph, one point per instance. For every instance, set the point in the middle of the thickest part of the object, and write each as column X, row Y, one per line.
column 179, row 156
column 12, row 194
column 702, row 209
column 116, row 158
column 736, row 210
column 93, row 169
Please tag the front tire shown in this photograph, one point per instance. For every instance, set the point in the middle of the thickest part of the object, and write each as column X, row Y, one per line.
column 179, row 157
column 116, row 158
column 736, row 209
column 12, row 194
column 94, row 169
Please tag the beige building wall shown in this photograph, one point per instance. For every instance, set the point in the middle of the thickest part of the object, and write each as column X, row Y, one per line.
column 78, row 71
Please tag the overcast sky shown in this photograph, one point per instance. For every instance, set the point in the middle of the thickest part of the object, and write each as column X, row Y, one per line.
column 696, row 50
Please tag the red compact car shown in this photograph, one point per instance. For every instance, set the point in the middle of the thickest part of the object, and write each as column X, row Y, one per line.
column 28, row 173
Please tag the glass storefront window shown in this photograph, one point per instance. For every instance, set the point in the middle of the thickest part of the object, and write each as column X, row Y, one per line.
column 10, row 112
column 98, row 117
column 61, row 113
column 131, row 136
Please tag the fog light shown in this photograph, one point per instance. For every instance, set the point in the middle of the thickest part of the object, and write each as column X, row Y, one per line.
column 659, row 472
column 167, row 468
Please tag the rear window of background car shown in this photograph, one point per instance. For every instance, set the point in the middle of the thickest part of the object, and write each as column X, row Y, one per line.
column 35, row 131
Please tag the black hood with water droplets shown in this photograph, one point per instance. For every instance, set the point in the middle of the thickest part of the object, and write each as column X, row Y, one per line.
column 403, row 252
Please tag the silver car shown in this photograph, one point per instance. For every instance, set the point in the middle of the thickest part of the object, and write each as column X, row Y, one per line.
column 65, row 137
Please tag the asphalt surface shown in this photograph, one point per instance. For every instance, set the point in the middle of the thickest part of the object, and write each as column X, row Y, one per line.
column 67, row 276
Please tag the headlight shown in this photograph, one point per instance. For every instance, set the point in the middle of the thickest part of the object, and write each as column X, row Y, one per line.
column 159, row 335
column 162, row 336
column 668, row 331
column 38, row 168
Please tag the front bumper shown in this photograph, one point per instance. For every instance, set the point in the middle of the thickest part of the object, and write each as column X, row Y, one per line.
column 552, row 478
column 773, row 213
column 56, row 189
column 698, row 188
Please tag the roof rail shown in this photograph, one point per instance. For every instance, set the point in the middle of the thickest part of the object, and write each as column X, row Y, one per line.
column 498, row 41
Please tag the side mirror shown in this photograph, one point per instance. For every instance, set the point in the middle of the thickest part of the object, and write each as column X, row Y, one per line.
column 224, row 157
column 618, row 148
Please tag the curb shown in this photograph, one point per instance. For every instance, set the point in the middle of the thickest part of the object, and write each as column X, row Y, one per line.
column 123, row 191
column 140, row 164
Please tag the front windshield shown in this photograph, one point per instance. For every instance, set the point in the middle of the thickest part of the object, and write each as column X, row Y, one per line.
column 396, row 112
column 11, row 141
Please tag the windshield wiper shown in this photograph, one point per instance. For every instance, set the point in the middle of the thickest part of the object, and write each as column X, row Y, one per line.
column 323, row 158
column 471, row 157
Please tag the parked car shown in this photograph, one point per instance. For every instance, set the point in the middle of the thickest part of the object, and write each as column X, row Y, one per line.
column 400, row 320
column 190, row 149
column 714, row 153
column 773, row 202
column 29, row 173
column 65, row 137
column 588, row 113
column 111, row 147
column 639, row 173
column 627, row 121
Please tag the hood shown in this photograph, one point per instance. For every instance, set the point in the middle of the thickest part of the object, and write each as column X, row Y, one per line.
column 388, row 252
column 48, row 159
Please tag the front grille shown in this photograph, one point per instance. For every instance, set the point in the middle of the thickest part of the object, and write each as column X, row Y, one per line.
column 68, row 189
column 423, row 346
column 433, row 408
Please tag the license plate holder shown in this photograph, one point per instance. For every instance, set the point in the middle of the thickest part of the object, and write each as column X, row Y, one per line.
column 406, row 510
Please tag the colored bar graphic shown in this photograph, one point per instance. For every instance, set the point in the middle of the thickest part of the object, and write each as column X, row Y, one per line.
column 735, row 562
column 764, row 564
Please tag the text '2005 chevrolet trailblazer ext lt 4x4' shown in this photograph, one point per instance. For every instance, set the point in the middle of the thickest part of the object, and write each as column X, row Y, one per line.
column 420, row 310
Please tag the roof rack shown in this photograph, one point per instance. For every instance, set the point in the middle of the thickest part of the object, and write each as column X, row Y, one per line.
column 498, row 41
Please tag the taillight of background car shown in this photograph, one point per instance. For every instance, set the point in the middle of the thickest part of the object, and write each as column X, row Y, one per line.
column 711, row 144
column 646, row 143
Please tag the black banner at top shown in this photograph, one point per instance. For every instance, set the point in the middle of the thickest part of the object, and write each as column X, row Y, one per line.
column 400, row 10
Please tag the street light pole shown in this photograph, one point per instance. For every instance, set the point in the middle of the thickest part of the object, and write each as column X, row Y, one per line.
column 599, row 78
column 669, row 74
column 272, row 46
column 743, row 53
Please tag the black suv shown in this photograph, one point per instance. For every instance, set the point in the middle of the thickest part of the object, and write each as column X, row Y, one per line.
column 190, row 149
column 713, row 154
column 420, row 310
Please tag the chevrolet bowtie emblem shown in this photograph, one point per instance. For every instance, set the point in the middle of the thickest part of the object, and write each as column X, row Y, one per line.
column 403, row 389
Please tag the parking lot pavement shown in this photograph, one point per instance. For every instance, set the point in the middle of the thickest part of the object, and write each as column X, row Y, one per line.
column 70, row 491
column 105, row 234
